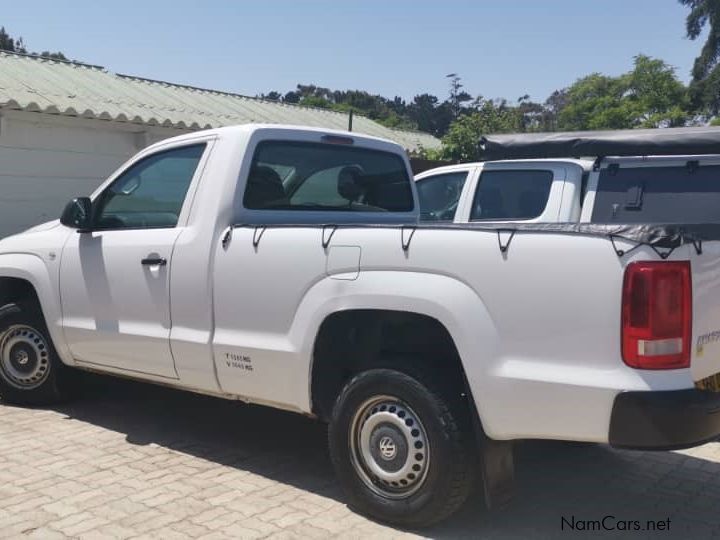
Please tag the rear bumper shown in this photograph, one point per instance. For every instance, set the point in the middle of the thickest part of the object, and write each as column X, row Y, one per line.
column 664, row 420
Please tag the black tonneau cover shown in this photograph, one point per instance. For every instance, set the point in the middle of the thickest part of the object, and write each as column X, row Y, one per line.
column 630, row 142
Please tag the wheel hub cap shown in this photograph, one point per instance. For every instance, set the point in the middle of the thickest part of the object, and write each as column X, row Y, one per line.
column 24, row 357
column 389, row 447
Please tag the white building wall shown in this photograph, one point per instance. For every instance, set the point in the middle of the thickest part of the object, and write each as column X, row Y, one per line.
column 46, row 160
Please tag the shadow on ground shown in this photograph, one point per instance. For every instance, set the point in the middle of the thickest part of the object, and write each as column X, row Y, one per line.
column 555, row 480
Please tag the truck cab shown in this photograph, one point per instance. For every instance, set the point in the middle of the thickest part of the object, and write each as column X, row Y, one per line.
column 532, row 191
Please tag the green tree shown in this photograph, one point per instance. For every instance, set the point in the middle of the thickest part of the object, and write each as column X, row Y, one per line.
column 458, row 97
column 390, row 112
column 291, row 97
column 596, row 102
column 661, row 99
column 648, row 96
column 704, row 89
column 315, row 101
column 553, row 105
column 704, row 13
column 534, row 116
column 430, row 115
column 54, row 56
column 271, row 96
column 463, row 138
column 7, row 43
column 705, row 94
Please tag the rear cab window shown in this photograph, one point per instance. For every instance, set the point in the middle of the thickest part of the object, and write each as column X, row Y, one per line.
column 661, row 192
column 300, row 179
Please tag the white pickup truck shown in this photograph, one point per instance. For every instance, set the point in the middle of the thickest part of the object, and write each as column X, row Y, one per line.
column 289, row 267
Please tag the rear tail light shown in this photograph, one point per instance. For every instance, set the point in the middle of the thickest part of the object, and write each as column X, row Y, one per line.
column 657, row 315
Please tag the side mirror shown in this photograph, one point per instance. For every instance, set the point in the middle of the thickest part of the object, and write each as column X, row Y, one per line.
column 77, row 214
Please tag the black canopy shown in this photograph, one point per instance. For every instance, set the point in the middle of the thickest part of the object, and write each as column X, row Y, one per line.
column 630, row 142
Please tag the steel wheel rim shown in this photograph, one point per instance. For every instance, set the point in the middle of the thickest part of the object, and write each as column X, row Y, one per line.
column 389, row 447
column 24, row 357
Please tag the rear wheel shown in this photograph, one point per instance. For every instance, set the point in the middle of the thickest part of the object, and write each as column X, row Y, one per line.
column 30, row 371
column 401, row 453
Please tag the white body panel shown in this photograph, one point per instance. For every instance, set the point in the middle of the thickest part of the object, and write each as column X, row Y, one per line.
column 236, row 311
column 706, row 312
column 116, row 312
column 511, row 343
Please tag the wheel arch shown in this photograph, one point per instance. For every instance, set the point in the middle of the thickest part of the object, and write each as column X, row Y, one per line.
column 26, row 276
column 449, row 307
column 353, row 340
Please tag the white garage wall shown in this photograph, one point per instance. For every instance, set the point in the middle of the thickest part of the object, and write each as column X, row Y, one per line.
column 47, row 160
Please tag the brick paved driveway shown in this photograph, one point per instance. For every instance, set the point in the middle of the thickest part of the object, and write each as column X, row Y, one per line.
column 133, row 460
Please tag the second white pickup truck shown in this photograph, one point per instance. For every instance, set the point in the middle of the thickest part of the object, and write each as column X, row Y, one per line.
column 289, row 267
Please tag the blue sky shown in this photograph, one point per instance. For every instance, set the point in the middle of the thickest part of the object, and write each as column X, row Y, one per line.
column 501, row 48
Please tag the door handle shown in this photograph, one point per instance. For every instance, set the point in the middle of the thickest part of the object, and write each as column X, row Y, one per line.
column 154, row 261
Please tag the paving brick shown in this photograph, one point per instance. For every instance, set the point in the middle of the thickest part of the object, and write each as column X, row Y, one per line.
column 191, row 529
column 70, row 521
column 45, row 533
column 240, row 531
column 208, row 517
column 306, row 530
column 84, row 526
column 61, row 508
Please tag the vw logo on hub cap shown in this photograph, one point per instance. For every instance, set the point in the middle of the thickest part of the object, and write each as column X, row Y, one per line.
column 387, row 448
column 22, row 358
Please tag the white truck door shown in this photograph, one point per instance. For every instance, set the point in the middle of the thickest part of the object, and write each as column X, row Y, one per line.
column 114, row 280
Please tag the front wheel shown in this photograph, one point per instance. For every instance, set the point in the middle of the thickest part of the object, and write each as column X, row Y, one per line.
column 30, row 371
column 400, row 452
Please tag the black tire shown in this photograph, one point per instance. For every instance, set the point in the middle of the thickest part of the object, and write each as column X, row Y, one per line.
column 448, row 473
column 31, row 373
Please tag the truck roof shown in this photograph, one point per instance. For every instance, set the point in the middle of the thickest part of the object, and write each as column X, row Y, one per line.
column 585, row 164
column 250, row 128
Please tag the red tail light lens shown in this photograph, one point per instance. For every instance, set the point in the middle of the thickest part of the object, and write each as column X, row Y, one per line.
column 657, row 315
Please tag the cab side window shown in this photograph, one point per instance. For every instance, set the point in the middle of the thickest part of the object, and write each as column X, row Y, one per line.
column 511, row 195
column 439, row 195
column 151, row 193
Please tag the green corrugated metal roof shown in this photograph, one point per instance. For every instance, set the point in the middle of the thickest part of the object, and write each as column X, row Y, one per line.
column 74, row 89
